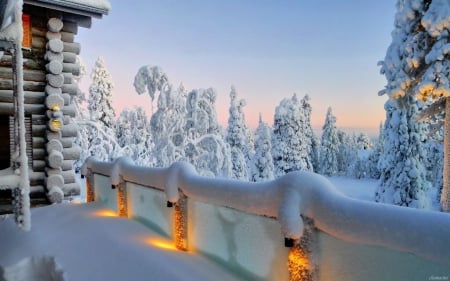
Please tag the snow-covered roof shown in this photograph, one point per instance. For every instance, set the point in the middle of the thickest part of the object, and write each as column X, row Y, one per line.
column 91, row 8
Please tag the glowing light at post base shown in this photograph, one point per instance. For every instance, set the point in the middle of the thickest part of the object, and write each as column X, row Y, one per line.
column 298, row 265
column 160, row 243
column 104, row 213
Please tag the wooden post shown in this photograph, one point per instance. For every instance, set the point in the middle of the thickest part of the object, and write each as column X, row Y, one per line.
column 445, row 195
column 122, row 200
column 180, row 223
column 300, row 261
column 90, row 189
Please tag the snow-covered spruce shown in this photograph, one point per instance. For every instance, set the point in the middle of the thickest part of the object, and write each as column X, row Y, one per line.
column 329, row 145
column 261, row 168
column 290, row 148
column 239, row 138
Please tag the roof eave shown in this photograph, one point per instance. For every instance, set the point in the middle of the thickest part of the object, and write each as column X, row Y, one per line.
column 69, row 7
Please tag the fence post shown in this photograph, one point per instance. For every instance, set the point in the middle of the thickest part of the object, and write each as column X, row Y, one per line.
column 180, row 223
column 122, row 199
column 300, row 261
column 90, row 188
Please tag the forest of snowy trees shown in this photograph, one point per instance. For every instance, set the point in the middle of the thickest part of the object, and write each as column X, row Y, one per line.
column 184, row 127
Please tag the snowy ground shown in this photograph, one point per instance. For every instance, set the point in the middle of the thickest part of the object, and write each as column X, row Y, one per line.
column 86, row 244
column 363, row 189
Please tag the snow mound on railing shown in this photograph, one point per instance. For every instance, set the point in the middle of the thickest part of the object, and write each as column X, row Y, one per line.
column 423, row 233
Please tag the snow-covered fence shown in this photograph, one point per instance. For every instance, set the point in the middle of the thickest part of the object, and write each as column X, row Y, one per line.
column 369, row 233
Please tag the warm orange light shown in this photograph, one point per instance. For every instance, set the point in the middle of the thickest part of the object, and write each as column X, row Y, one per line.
column 105, row 213
column 161, row 243
column 298, row 265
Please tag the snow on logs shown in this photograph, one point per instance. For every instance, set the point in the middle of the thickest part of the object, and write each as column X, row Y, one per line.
column 292, row 196
column 61, row 55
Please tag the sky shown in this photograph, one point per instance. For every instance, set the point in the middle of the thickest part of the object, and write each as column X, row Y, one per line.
column 267, row 49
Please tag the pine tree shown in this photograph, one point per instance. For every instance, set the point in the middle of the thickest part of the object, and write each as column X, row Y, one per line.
column 102, row 137
column 205, row 147
column 403, row 179
column 417, row 63
column 133, row 135
column 330, row 145
column 238, row 137
column 262, row 168
column 100, row 95
column 289, row 143
column 311, row 142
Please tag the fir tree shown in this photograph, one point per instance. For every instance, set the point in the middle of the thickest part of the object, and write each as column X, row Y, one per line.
column 403, row 179
column 262, row 168
column 330, row 145
column 238, row 137
column 289, row 143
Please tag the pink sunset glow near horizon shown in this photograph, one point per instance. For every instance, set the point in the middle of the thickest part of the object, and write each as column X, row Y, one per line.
column 268, row 51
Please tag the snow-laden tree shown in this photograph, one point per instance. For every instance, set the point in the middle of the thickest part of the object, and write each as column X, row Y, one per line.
column 417, row 63
column 363, row 141
column 347, row 155
column 261, row 167
column 204, row 146
column 329, row 145
column 374, row 157
column 238, row 137
column 100, row 95
column 133, row 135
column 102, row 141
column 311, row 140
column 290, row 150
column 403, row 175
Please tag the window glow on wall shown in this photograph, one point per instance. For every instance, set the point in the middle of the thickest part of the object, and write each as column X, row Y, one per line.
column 104, row 213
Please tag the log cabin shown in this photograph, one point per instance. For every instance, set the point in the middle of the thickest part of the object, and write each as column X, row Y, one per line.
column 49, row 58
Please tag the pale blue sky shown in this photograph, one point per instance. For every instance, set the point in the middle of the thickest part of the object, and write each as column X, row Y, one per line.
column 267, row 49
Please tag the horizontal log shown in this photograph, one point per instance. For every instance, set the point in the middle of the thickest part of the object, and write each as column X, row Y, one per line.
column 67, row 99
column 39, row 165
column 71, row 189
column 37, row 191
column 55, row 45
column 55, row 80
column 28, row 74
column 38, row 31
column 28, row 63
column 69, row 130
column 7, row 84
column 67, row 165
column 69, row 176
column 29, row 97
column 55, row 159
column 72, row 153
column 67, row 142
column 52, row 35
column 39, row 154
column 39, row 142
column 73, row 68
column 54, row 102
column 52, row 90
column 72, row 47
column 71, row 89
column 70, row 27
column 52, row 56
column 52, row 171
column 38, row 130
column 69, row 110
column 55, row 194
column 67, row 37
column 55, row 25
column 54, row 145
column 39, row 119
column 68, row 78
column 38, row 43
column 54, row 180
column 69, row 57
column 54, row 67
column 8, row 108
column 52, row 135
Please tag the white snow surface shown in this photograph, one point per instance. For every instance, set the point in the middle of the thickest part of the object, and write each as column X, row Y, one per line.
column 72, row 240
column 416, row 231
column 98, row 4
